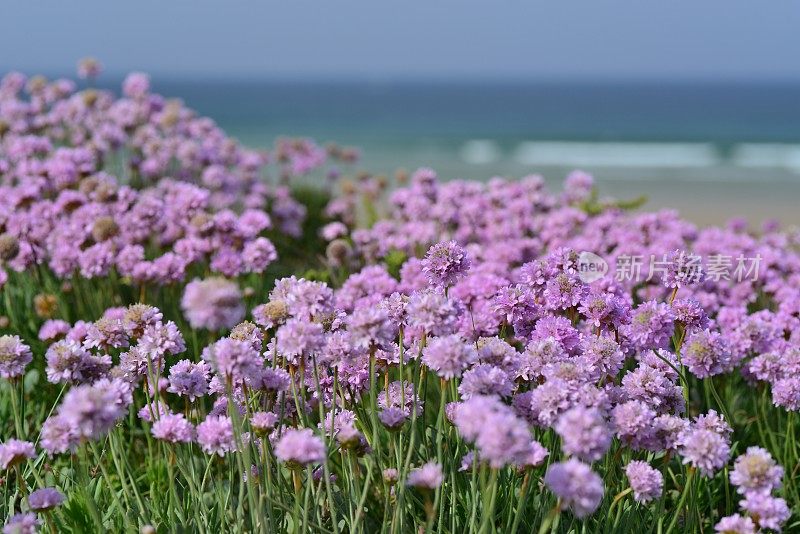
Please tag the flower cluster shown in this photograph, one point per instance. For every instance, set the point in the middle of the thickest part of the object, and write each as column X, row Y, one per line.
column 138, row 185
column 449, row 367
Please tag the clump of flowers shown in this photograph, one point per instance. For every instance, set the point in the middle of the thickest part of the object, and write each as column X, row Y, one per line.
column 408, row 377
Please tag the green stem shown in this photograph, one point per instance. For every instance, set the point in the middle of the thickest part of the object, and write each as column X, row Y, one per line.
column 684, row 495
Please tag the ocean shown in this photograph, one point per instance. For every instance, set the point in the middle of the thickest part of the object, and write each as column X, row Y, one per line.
column 711, row 150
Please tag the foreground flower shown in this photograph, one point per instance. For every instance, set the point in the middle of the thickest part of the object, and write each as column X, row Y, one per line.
column 91, row 410
column 45, row 499
column 579, row 488
column 428, row 476
column 300, row 447
column 646, row 482
column 768, row 511
column 21, row 524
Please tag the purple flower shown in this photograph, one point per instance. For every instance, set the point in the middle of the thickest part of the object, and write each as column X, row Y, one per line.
column 651, row 325
column 472, row 415
column 234, row 359
column 160, row 339
column 633, row 423
column 714, row 422
column 89, row 67
column 563, row 291
column 69, row 362
column 271, row 379
column 258, row 254
column 174, row 428
column 653, row 387
column 299, row 447
column 690, row 314
column 578, row 187
column 767, row 511
column 45, row 499
column 704, row 449
column 449, row 355
column 213, row 303
column 560, row 329
column 15, row 451
column 400, row 395
column 106, row 333
column 669, row 429
column 390, row 475
column 93, row 409
column 500, row 436
column 262, row 422
column 705, row 353
column 21, row 524
column 53, row 329
column 735, row 524
column 485, row 379
column 429, row 311
column 550, row 400
column 786, row 393
column 584, row 433
column 270, row 314
column 445, row 263
column 429, row 476
column 682, row 269
column 757, row 471
column 136, row 85
column 189, row 379
column 299, row 338
column 393, row 418
column 579, row 488
column 215, row 435
column 138, row 317
column 646, row 482
column 303, row 299
column 370, row 328
column 14, row 356
column 603, row 354
column 534, row 457
column 58, row 436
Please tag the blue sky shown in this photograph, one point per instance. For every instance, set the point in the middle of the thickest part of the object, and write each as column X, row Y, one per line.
column 584, row 39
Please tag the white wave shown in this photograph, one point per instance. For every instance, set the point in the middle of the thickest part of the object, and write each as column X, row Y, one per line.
column 604, row 154
column 479, row 152
column 767, row 155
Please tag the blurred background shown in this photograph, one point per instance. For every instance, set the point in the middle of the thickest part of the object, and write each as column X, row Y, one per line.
column 694, row 104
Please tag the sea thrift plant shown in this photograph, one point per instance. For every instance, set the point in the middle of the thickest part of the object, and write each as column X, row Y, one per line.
column 186, row 346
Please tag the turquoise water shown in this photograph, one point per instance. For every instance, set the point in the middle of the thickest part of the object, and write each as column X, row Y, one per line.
column 713, row 150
